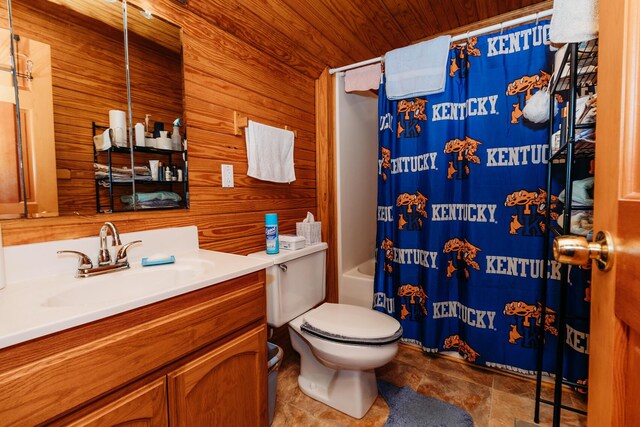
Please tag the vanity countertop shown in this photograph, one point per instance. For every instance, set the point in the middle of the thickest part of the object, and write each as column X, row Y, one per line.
column 34, row 304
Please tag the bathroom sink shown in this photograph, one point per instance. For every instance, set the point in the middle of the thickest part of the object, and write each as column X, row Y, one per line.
column 54, row 300
column 131, row 284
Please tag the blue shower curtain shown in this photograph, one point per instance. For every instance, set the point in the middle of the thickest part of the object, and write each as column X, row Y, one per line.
column 461, row 205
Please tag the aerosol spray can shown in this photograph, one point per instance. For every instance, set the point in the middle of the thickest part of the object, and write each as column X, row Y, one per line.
column 271, row 231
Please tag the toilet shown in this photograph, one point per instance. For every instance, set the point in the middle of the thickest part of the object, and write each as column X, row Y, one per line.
column 340, row 345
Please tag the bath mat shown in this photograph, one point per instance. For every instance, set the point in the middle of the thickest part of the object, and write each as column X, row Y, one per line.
column 408, row 408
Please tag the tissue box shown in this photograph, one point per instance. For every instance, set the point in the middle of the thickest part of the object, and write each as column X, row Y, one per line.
column 311, row 231
column 291, row 242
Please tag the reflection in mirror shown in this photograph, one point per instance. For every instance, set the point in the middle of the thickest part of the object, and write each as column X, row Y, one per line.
column 86, row 79
column 79, row 75
column 155, row 66
column 13, row 191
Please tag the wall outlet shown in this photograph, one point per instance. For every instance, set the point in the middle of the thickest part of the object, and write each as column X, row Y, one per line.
column 227, row 176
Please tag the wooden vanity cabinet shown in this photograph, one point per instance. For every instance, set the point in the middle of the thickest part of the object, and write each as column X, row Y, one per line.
column 146, row 406
column 221, row 388
column 197, row 359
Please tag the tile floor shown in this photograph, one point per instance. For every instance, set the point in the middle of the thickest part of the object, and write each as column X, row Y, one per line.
column 493, row 399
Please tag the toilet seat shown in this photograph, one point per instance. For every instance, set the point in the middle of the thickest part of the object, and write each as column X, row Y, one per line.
column 351, row 324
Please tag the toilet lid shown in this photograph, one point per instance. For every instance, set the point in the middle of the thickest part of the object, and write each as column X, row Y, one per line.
column 351, row 324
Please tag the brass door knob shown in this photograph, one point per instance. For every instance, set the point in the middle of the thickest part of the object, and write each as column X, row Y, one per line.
column 576, row 250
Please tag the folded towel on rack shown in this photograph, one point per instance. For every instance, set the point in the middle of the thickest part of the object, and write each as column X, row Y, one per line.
column 153, row 204
column 363, row 78
column 139, row 170
column 416, row 70
column 115, row 177
column 582, row 192
column 269, row 153
column 574, row 21
column 148, row 197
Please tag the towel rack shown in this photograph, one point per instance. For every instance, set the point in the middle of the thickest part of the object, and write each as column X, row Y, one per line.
column 241, row 122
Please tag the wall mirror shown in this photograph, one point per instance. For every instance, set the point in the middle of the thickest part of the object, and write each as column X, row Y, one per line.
column 79, row 45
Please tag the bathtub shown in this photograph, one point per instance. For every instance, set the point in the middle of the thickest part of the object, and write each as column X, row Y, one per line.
column 356, row 285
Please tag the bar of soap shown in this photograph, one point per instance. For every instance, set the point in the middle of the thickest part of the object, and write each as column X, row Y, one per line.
column 158, row 260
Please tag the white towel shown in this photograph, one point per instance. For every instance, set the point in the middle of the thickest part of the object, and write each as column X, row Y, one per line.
column 269, row 153
column 574, row 21
column 363, row 78
column 416, row 70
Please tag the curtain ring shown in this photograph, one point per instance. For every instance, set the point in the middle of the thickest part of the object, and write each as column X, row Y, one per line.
column 501, row 28
column 537, row 18
column 468, row 39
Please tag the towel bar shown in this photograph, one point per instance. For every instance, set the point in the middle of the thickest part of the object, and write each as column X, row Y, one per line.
column 240, row 122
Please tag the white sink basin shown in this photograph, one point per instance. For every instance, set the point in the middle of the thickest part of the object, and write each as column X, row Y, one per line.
column 48, row 299
column 137, row 282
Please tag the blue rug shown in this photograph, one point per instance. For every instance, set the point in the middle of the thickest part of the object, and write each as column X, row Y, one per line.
column 410, row 409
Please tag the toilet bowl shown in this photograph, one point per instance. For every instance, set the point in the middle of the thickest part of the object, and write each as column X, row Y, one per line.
column 338, row 370
column 340, row 345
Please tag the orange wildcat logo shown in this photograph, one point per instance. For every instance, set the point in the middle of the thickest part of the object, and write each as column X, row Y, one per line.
column 413, row 300
column 527, row 318
column 463, row 257
column 412, row 211
column 411, row 116
column 460, row 62
column 387, row 247
column 463, row 152
column 525, row 85
column 464, row 349
column 531, row 208
column 385, row 153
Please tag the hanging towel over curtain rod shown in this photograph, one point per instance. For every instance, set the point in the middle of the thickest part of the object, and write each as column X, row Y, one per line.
column 459, row 37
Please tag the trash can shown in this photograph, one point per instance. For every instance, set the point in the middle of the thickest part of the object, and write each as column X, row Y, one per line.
column 274, row 357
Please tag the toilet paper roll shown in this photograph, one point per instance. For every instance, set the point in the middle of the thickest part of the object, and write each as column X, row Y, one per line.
column 139, row 133
column 118, row 122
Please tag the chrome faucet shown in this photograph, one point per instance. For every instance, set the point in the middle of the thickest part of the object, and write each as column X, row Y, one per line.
column 105, row 265
column 104, row 258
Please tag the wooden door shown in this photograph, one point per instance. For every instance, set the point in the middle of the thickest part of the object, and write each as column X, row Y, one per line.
column 38, row 137
column 225, row 387
column 614, row 373
column 144, row 407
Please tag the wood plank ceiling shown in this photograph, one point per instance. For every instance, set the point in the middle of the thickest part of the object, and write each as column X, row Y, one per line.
column 310, row 35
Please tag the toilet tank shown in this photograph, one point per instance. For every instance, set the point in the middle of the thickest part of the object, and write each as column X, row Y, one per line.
column 295, row 282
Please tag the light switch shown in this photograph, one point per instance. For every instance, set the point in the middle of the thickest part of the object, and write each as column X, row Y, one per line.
column 227, row 175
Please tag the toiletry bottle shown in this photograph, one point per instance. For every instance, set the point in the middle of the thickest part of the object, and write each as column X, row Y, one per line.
column 160, row 172
column 153, row 166
column 179, row 175
column 147, row 134
column 271, row 232
column 176, row 139
column 174, row 172
column 167, row 173
column 139, row 134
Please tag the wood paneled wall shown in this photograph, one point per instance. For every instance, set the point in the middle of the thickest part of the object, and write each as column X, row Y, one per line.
column 221, row 74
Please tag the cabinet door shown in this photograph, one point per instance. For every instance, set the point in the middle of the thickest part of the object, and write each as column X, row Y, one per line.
column 144, row 407
column 225, row 387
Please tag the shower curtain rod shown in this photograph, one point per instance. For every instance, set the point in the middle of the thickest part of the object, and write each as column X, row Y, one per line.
column 521, row 20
